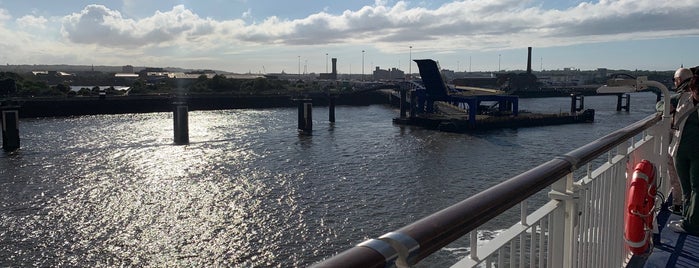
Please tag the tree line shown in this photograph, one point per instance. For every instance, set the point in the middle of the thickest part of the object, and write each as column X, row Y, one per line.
column 16, row 85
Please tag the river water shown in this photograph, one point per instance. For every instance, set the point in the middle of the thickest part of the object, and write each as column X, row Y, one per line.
column 249, row 191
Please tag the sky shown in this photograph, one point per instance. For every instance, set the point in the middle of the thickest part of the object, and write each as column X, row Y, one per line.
column 265, row 36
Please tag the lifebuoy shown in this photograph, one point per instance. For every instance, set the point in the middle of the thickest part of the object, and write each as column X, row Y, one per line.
column 640, row 203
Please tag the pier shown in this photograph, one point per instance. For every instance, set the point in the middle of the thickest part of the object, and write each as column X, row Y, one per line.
column 437, row 106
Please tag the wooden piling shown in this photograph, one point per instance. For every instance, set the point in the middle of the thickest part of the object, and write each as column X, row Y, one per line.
column 331, row 109
column 305, row 116
column 413, row 107
column 403, row 102
column 10, row 128
column 574, row 100
column 620, row 98
column 181, row 123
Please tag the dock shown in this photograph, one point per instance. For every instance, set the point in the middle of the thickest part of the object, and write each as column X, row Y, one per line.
column 434, row 105
column 451, row 123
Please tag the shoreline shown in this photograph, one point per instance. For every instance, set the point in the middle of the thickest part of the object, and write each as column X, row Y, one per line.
column 75, row 106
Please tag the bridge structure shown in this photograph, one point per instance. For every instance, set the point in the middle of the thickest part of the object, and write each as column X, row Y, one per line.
column 435, row 89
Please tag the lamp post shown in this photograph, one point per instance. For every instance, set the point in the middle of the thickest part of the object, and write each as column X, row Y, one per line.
column 326, row 62
column 299, row 66
column 499, row 63
column 410, row 63
column 362, row 65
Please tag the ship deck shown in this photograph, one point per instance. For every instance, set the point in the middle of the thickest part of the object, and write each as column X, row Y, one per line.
column 670, row 249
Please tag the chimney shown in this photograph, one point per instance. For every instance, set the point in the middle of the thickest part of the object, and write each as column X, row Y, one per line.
column 529, row 60
column 334, row 68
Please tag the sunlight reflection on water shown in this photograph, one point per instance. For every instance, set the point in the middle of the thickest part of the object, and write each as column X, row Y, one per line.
column 248, row 191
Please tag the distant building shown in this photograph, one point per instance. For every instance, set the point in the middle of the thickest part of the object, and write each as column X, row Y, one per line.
column 153, row 74
column 391, row 74
column 54, row 77
column 330, row 76
column 125, row 79
column 448, row 74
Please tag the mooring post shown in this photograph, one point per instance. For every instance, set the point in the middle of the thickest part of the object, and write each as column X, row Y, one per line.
column 574, row 98
column 305, row 118
column 413, row 102
column 619, row 99
column 10, row 128
column 181, row 122
column 618, row 102
column 331, row 111
column 403, row 101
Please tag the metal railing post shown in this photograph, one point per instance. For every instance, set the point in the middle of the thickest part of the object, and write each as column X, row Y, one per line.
column 563, row 224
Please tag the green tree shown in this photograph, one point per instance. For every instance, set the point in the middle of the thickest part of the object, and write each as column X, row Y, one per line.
column 260, row 84
column 84, row 92
column 138, row 87
column 62, row 88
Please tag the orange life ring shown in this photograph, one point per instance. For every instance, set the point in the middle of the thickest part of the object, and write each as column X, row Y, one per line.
column 640, row 203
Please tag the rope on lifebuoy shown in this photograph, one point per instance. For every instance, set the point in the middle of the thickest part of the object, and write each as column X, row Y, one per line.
column 641, row 205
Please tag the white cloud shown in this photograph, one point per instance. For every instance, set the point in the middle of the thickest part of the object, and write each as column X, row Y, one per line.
column 4, row 15
column 97, row 24
column 247, row 14
column 98, row 33
column 32, row 21
column 476, row 24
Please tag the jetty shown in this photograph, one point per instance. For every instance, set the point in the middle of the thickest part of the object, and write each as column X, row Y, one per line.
column 435, row 105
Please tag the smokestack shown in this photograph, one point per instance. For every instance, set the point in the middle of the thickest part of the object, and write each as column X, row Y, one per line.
column 529, row 60
column 334, row 68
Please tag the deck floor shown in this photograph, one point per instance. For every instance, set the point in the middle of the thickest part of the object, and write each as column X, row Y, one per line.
column 670, row 249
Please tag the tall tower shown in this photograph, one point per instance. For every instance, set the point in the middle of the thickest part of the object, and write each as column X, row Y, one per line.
column 529, row 60
column 334, row 76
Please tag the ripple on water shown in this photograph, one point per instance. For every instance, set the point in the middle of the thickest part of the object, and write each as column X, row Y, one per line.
column 248, row 191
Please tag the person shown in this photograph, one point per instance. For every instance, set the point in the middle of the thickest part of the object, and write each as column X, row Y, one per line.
column 681, row 80
column 685, row 150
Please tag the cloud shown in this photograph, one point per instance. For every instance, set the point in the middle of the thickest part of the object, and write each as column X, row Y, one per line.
column 32, row 21
column 97, row 24
column 4, row 15
column 247, row 14
column 479, row 24
column 469, row 24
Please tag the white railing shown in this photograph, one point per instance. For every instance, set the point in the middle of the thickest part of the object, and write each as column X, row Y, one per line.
column 580, row 226
column 593, row 235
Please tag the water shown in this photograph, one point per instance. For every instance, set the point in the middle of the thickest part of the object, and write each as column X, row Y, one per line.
column 248, row 191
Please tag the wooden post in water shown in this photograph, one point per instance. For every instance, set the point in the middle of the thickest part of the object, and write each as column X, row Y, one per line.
column 331, row 109
column 413, row 108
column 10, row 128
column 403, row 101
column 574, row 108
column 619, row 99
column 181, row 122
column 305, row 118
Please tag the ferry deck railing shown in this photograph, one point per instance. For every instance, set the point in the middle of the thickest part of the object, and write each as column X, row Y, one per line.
column 582, row 225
